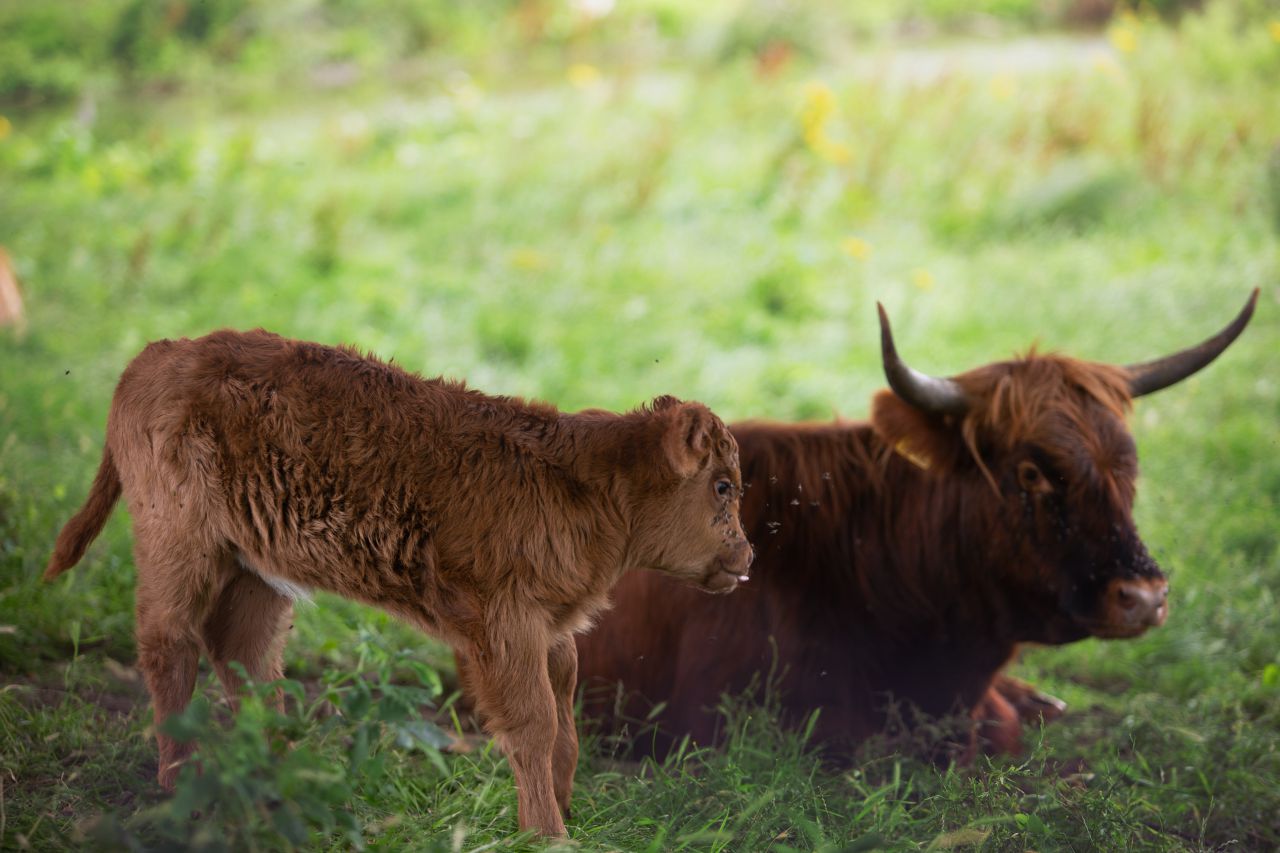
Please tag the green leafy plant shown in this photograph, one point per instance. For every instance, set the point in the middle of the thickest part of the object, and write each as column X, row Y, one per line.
column 253, row 784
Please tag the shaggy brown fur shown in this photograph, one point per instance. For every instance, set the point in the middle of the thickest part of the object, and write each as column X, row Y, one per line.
column 254, row 466
column 905, row 557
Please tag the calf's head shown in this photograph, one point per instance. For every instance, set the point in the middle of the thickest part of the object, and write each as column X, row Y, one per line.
column 686, row 497
column 1047, row 467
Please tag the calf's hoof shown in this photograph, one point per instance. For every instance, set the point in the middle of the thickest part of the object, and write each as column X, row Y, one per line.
column 168, row 776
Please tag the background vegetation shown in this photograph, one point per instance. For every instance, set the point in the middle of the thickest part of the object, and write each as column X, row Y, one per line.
column 595, row 205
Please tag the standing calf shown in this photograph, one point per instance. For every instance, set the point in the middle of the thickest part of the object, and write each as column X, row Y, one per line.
column 910, row 555
column 255, row 466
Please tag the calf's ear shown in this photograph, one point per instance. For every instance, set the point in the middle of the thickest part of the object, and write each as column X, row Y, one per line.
column 687, row 437
column 927, row 440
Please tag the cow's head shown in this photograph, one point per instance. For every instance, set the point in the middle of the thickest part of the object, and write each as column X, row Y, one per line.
column 686, row 503
column 1050, row 467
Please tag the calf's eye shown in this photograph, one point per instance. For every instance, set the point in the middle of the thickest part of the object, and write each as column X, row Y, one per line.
column 724, row 488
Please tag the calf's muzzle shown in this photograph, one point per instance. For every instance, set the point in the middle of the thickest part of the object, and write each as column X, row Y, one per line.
column 730, row 568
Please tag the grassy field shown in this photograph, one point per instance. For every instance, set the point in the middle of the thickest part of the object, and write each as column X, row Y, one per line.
column 596, row 214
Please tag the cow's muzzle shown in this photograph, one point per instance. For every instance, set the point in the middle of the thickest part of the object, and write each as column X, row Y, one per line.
column 1132, row 605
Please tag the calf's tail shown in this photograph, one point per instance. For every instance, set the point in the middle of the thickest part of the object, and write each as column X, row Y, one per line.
column 85, row 526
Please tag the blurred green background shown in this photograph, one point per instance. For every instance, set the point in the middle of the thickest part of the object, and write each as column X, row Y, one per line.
column 593, row 203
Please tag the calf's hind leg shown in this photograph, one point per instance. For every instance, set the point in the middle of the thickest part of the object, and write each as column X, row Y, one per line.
column 172, row 591
column 249, row 624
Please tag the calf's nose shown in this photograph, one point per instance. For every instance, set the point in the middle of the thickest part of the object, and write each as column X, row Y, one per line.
column 737, row 559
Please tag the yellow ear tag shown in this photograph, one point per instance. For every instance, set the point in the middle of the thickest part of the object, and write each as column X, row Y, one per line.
column 914, row 458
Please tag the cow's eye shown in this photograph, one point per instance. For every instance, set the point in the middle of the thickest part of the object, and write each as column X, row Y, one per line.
column 1030, row 477
column 724, row 488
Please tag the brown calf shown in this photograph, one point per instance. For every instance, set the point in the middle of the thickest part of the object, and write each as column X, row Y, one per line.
column 255, row 466
column 909, row 556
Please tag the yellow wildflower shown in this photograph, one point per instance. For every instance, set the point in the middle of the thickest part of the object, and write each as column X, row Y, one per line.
column 530, row 260
column 91, row 178
column 818, row 108
column 6, row 127
column 830, row 150
column 922, row 279
column 856, row 248
column 819, row 104
column 1274, row 28
column 1003, row 87
column 1124, row 39
column 583, row 75
column 1124, row 34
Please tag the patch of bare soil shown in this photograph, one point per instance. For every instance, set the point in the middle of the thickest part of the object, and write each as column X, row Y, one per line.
column 116, row 688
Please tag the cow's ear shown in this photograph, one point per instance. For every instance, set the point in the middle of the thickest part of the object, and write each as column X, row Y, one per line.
column 687, row 438
column 925, row 439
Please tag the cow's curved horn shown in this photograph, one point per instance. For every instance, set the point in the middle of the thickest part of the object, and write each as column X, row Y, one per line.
column 927, row 393
column 1151, row 376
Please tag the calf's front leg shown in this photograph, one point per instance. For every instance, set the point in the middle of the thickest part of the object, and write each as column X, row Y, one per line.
column 514, row 697
column 562, row 668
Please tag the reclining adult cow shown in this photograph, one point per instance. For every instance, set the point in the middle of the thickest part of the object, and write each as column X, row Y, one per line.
column 255, row 466
column 908, row 557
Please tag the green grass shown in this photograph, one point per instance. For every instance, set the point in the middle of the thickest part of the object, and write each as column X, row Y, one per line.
column 679, row 224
